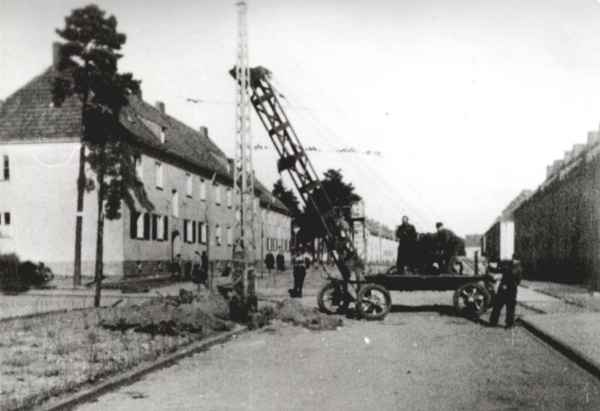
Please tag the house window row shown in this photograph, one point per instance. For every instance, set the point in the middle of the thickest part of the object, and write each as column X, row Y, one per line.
column 148, row 226
column 275, row 244
column 189, row 182
column 194, row 232
column 5, row 218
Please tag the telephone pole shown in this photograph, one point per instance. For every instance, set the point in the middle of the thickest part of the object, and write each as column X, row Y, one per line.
column 243, row 170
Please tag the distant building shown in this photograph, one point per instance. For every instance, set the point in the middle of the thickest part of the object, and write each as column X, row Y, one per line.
column 498, row 242
column 557, row 234
column 185, row 175
column 473, row 245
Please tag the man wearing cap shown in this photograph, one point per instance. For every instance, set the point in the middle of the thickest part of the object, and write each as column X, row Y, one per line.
column 507, row 292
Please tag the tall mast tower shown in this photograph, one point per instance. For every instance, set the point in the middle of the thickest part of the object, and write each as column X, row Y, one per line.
column 243, row 172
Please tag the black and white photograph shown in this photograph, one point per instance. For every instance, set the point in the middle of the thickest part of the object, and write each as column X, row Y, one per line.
column 272, row 205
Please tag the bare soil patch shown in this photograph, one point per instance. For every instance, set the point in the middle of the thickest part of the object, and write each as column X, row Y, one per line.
column 51, row 354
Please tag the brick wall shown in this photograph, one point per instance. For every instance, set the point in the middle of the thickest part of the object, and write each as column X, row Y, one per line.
column 557, row 231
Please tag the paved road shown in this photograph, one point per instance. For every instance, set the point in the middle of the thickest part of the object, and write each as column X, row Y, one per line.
column 420, row 358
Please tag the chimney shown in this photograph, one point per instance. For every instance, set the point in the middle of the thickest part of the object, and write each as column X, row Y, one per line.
column 160, row 106
column 56, row 46
column 203, row 130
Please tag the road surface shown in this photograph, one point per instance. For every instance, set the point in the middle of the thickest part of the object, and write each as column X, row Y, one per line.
column 420, row 357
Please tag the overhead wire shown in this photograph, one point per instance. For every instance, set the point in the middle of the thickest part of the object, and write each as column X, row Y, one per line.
column 325, row 132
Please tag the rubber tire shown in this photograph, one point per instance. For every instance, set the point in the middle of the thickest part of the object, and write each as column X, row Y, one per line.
column 361, row 308
column 487, row 300
column 329, row 287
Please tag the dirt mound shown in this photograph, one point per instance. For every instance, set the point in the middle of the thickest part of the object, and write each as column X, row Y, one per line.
column 292, row 311
column 189, row 312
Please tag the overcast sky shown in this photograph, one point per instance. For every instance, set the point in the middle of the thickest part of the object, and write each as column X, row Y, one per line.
column 468, row 100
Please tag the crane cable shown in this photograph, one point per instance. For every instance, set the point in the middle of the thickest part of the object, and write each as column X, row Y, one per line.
column 325, row 132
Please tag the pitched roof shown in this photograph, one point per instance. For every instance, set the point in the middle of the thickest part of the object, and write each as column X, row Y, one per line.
column 29, row 115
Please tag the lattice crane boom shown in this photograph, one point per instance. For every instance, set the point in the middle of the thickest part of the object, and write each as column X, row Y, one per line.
column 294, row 159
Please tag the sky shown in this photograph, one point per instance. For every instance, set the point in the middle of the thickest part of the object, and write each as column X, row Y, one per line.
column 468, row 101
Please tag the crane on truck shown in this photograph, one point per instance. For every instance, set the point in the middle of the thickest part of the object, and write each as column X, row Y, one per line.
column 473, row 295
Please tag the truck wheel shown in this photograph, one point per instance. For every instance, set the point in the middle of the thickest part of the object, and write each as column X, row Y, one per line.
column 331, row 299
column 373, row 302
column 472, row 300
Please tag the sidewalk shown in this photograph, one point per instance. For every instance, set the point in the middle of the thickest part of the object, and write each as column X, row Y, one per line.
column 575, row 335
column 39, row 301
column 577, row 295
column 568, row 320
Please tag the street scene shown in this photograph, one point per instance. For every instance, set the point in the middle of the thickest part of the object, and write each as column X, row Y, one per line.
column 262, row 205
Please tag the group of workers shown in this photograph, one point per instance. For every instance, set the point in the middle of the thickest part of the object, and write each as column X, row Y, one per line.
column 442, row 254
column 439, row 248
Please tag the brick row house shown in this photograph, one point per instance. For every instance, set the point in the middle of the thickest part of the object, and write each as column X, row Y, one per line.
column 186, row 177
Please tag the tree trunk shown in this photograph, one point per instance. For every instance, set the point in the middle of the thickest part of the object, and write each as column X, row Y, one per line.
column 99, row 272
column 79, row 217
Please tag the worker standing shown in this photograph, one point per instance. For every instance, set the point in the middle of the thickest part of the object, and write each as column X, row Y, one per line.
column 406, row 235
column 446, row 248
column 300, row 261
column 507, row 292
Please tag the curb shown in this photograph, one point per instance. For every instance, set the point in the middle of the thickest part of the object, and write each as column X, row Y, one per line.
column 568, row 351
column 137, row 372
column 531, row 307
column 564, row 299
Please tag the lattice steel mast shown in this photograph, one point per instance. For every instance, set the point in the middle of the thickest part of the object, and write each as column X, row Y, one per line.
column 243, row 170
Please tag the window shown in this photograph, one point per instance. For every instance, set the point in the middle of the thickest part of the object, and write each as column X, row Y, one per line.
column 229, row 236
column 229, row 197
column 186, row 231
column 189, row 185
column 218, row 234
column 155, row 226
column 159, row 175
column 159, row 227
column 139, row 169
column 217, row 194
column 165, row 230
column 5, row 168
column 140, row 225
column 175, row 203
column 202, row 233
column 6, row 220
column 202, row 189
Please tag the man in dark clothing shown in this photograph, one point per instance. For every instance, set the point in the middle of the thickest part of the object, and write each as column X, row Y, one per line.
column 280, row 261
column 406, row 235
column 196, row 269
column 270, row 261
column 300, row 262
column 446, row 244
column 507, row 292
column 204, row 268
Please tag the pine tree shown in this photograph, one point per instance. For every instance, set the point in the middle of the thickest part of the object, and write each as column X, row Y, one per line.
column 88, row 70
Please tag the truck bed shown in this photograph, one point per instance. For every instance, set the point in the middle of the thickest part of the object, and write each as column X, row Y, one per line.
column 411, row 282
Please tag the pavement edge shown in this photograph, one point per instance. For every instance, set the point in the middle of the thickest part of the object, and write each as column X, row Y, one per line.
column 116, row 381
column 567, row 350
